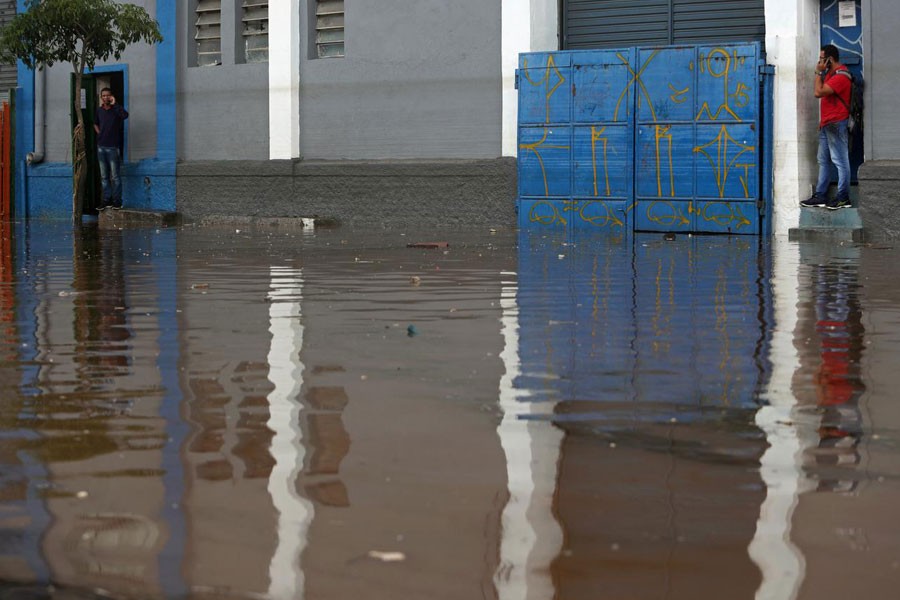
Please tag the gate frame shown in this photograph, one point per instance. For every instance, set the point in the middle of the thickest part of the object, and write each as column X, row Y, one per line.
column 554, row 208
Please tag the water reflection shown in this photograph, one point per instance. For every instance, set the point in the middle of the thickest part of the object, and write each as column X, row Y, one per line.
column 206, row 413
column 653, row 352
column 831, row 356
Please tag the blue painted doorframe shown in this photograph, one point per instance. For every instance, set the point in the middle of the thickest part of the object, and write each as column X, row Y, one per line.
column 848, row 40
column 646, row 139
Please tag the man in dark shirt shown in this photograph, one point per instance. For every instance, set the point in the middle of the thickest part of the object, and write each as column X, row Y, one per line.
column 109, row 121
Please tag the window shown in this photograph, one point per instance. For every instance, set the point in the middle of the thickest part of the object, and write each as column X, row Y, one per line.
column 255, row 22
column 208, row 32
column 329, row 28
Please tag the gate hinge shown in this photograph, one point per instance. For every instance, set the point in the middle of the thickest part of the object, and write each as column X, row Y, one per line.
column 516, row 79
column 764, row 70
column 760, row 206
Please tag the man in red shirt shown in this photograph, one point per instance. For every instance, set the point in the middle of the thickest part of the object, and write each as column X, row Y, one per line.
column 832, row 87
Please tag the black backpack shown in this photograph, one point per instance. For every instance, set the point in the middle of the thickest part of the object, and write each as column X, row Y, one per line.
column 855, row 123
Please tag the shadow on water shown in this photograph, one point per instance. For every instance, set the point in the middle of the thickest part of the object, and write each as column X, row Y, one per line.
column 208, row 413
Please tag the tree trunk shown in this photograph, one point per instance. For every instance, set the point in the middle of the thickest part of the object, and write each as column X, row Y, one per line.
column 79, row 155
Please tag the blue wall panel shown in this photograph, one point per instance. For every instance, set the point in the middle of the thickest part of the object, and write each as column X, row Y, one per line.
column 602, row 161
column 665, row 161
column 545, row 158
column 545, row 88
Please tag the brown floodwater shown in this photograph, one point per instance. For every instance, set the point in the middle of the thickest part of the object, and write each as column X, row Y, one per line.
column 266, row 412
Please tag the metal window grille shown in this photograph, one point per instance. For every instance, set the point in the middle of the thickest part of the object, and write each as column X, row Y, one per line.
column 255, row 21
column 8, row 71
column 208, row 32
column 329, row 28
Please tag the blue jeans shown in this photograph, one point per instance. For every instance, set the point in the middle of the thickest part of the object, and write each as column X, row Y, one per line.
column 833, row 149
column 110, row 166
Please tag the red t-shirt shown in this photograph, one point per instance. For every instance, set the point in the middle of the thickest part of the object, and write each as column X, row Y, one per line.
column 830, row 107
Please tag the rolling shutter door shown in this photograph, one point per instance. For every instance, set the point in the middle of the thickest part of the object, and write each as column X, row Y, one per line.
column 615, row 23
column 622, row 23
column 703, row 21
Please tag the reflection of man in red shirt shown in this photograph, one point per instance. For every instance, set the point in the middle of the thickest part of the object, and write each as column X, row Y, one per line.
column 832, row 87
column 838, row 379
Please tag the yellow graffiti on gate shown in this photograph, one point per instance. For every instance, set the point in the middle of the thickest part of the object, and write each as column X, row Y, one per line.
column 678, row 96
column 725, row 214
column 668, row 214
column 597, row 213
column 541, row 145
column 549, row 71
column 636, row 82
column 663, row 133
column 719, row 64
column 725, row 160
column 604, row 214
column 597, row 136
column 546, row 212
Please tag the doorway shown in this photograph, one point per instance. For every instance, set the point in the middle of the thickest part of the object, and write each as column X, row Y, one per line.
column 91, row 85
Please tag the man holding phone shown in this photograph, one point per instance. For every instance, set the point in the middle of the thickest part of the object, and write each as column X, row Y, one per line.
column 109, row 125
column 832, row 87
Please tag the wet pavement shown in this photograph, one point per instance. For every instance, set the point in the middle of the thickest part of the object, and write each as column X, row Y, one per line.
column 221, row 412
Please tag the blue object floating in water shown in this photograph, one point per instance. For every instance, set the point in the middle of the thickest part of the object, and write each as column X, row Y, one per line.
column 411, row 330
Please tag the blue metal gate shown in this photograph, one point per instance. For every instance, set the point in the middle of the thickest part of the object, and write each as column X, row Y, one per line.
column 646, row 139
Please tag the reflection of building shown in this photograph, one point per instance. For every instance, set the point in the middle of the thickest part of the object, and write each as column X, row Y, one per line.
column 842, row 524
column 92, row 443
column 651, row 357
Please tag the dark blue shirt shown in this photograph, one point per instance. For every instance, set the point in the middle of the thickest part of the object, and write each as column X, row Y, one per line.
column 110, row 121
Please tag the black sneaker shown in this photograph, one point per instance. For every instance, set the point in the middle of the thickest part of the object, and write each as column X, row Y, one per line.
column 837, row 204
column 117, row 207
column 814, row 200
column 102, row 208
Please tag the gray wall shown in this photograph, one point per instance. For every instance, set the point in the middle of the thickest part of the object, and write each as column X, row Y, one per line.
column 419, row 80
column 140, row 101
column 8, row 75
column 223, row 111
column 881, row 22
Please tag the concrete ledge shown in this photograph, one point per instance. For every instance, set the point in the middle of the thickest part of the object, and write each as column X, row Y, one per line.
column 385, row 193
column 120, row 219
column 821, row 223
column 270, row 222
column 879, row 204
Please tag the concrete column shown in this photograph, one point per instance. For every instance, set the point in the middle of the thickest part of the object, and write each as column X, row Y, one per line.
column 527, row 26
column 284, row 79
column 792, row 45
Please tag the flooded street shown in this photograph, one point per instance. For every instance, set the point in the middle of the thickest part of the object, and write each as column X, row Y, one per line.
column 231, row 412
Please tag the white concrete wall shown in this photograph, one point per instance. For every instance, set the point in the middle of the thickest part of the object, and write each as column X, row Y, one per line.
column 792, row 45
column 284, row 79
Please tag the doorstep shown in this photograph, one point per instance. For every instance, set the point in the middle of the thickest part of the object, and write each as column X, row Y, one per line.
column 821, row 223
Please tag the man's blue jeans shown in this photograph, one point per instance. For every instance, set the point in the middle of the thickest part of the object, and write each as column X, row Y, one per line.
column 110, row 167
column 833, row 149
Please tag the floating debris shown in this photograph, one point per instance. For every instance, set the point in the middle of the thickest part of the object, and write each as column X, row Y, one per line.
column 428, row 245
column 387, row 556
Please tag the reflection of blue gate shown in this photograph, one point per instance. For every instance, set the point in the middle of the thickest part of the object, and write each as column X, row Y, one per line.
column 649, row 139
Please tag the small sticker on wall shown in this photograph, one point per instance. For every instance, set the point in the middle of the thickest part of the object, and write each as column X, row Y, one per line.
column 83, row 98
column 847, row 13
